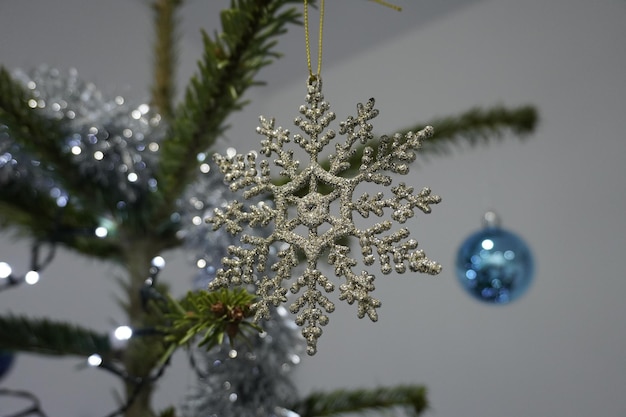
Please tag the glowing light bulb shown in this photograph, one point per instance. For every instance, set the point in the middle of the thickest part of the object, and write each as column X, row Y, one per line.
column 101, row 232
column 94, row 360
column 5, row 270
column 123, row 333
column 158, row 262
column 31, row 277
column 107, row 227
column 61, row 201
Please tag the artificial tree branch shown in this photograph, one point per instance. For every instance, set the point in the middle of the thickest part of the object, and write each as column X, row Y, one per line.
column 412, row 398
column 44, row 138
column 471, row 128
column 47, row 337
column 35, row 215
column 479, row 126
column 227, row 69
column 209, row 317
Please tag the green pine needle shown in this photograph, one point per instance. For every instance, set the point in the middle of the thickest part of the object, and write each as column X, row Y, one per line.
column 412, row 398
column 208, row 317
column 227, row 69
column 47, row 337
column 42, row 137
column 479, row 127
column 469, row 129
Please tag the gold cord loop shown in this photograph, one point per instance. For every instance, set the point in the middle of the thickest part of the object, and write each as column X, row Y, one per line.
column 387, row 4
column 308, row 43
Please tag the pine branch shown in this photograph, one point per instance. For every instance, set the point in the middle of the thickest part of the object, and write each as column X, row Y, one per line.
column 36, row 215
column 471, row 128
column 208, row 317
column 227, row 69
column 43, row 336
column 44, row 139
column 165, row 56
column 66, row 227
column 41, row 136
column 321, row 404
column 479, row 126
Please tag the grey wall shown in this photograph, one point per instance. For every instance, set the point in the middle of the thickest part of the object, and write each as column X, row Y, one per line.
column 559, row 351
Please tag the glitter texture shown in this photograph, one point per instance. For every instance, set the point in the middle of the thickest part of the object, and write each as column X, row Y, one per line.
column 313, row 212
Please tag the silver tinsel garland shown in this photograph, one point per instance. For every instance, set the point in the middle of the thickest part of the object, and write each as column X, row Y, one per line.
column 111, row 141
column 251, row 380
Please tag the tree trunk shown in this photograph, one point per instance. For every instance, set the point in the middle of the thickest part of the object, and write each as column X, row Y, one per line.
column 142, row 352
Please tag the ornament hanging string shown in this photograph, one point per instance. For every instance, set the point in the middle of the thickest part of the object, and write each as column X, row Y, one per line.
column 387, row 4
column 307, row 38
column 307, row 41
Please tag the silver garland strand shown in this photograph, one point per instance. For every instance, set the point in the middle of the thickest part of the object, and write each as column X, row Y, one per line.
column 111, row 140
column 252, row 380
column 205, row 247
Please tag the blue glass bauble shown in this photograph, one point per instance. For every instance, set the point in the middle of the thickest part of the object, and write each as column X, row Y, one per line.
column 6, row 360
column 494, row 265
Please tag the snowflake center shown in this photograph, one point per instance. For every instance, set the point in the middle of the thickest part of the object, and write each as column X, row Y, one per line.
column 313, row 210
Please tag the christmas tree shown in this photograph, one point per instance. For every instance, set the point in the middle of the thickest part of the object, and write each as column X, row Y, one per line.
column 124, row 184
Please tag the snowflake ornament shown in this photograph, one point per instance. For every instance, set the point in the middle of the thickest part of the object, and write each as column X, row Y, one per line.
column 309, row 221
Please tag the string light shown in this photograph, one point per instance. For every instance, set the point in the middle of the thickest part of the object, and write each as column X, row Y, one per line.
column 158, row 262
column 5, row 270
column 120, row 336
column 97, row 361
column 94, row 360
column 148, row 291
column 33, row 408
column 106, row 227
column 9, row 279
column 31, row 277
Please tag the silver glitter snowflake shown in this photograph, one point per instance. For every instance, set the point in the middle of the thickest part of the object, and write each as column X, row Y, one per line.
column 312, row 214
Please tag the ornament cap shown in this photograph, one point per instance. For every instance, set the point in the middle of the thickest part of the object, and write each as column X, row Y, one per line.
column 491, row 219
